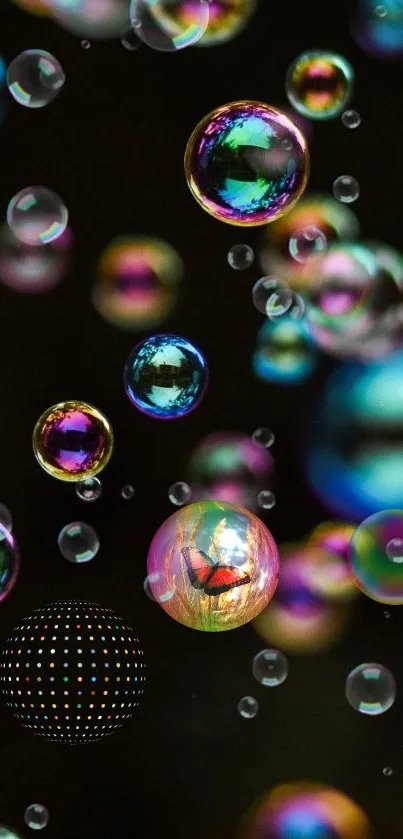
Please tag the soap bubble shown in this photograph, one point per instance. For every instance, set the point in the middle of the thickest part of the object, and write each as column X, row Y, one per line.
column 284, row 351
column 228, row 18
column 35, row 78
column 265, row 292
column 346, row 189
column 387, row 771
column 37, row 216
column 264, row 437
column 306, row 242
column 279, row 302
column 248, row 707
column 130, row 41
column 36, row 816
column 240, row 257
column 376, row 556
column 179, row 493
column 351, row 119
column 266, row 499
column 169, row 26
column 78, row 542
column 371, row 689
column 319, row 84
column 154, row 583
column 89, row 489
column 270, row 668
column 127, row 492
column 31, row 269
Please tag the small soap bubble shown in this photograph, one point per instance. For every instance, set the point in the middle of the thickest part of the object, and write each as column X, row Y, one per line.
column 36, row 816
column 387, row 771
column 152, row 584
column 248, row 707
column 371, row 689
column 270, row 668
column 386, row 614
column 86, row 45
column 279, row 303
column 179, row 493
column 78, row 542
column 266, row 499
column 6, row 520
column 35, row 78
column 346, row 189
column 381, row 11
column 89, row 490
column 264, row 290
column 264, row 437
column 127, row 492
column 36, row 215
column 240, row 257
column 351, row 119
column 306, row 242
column 130, row 41
column 394, row 551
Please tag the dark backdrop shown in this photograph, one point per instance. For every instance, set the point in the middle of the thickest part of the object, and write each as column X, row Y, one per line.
column 112, row 146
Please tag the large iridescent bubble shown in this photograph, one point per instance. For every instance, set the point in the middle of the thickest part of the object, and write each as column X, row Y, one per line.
column 246, row 163
column 170, row 25
column 228, row 18
column 319, row 84
column 376, row 556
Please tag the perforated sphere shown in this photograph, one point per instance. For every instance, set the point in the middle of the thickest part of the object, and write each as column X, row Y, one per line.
column 72, row 672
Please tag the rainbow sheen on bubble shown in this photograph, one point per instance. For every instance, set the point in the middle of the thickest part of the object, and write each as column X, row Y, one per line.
column 137, row 282
column 37, row 216
column 328, row 571
column 218, row 560
column 72, row 441
column 371, row 689
column 376, row 556
column 319, row 84
column 284, row 353
column 227, row 19
column 9, row 562
column 34, row 78
column 169, row 25
column 165, row 376
column 246, row 163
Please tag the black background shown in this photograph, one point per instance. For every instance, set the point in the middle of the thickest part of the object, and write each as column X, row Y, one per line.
column 112, row 146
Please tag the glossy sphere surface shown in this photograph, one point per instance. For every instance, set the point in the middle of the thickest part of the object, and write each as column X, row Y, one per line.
column 165, row 376
column 376, row 556
column 83, row 672
column 218, row 561
column 37, row 216
column 34, row 78
column 9, row 562
column 371, row 689
column 72, row 441
column 319, row 84
column 227, row 19
column 36, row 816
column 246, row 163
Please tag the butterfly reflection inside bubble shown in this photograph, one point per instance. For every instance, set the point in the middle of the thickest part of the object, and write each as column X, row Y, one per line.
column 211, row 577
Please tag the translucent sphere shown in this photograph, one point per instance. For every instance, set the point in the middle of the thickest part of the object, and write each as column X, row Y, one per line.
column 351, row 119
column 387, row 771
column 127, row 492
column 266, row 291
column 72, row 441
column 179, row 493
column 34, row 78
column 270, row 668
column 279, row 302
column 264, row 437
column 157, row 588
column 169, row 25
column 248, row 707
column 319, row 84
column 346, row 189
column 5, row 520
column 376, row 556
column 240, row 257
column 37, row 216
column 78, row 542
column 86, row 45
column 89, row 490
column 165, row 376
column 306, row 242
column 246, row 163
column 266, row 499
column 36, row 816
column 371, row 689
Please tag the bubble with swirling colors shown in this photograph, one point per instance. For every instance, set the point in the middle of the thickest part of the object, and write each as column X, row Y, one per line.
column 319, row 84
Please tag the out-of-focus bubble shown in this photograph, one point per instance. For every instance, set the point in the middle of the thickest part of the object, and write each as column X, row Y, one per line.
column 37, row 216
column 380, row 35
column 371, row 689
column 270, row 668
column 238, row 167
column 351, row 119
column 376, row 556
column 248, row 707
column 86, row 45
column 179, row 493
column 266, row 291
column 328, row 571
column 240, row 257
column 297, row 619
column 304, row 810
column 6, row 520
column 169, row 25
column 127, row 492
column 284, row 352
column 31, row 269
column 154, row 583
column 39, row 8
column 386, row 614
column 9, row 561
column 35, row 78
column 137, row 282
column 263, row 436
column 319, row 84
column 227, row 19
column 7, row 833
column 229, row 466
column 89, row 490
column 36, row 816
column 279, row 302
column 130, row 40
column 266, row 499
column 387, row 771
column 296, row 310
column 306, row 242
column 346, row 189
column 72, row 441
column 78, row 542
column 91, row 19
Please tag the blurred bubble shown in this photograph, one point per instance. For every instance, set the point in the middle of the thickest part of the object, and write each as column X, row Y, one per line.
column 386, row 614
column 248, row 707
column 270, row 668
column 328, row 571
column 371, row 689
column 37, row 216
column 319, row 84
column 179, row 493
column 127, row 492
column 346, row 189
column 137, row 282
column 263, row 436
column 33, row 269
column 169, row 26
column 7, row 833
column 376, row 556
column 387, row 771
column 130, row 41
column 86, row 45
column 284, row 352
column 91, row 19
column 306, row 242
column 351, row 119
column 265, row 291
column 89, row 490
column 36, row 816
column 240, row 257
column 6, row 520
column 34, row 7
column 297, row 309
column 279, row 302
column 227, row 19
column 381, row 11
column 35, row 78
column 380, row 35
column 266, row 499
column 78, row 542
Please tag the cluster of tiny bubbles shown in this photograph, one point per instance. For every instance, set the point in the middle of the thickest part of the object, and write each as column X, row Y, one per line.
column 240, row 257
column 270, row 668
column 86, row 45
column 34, row 78
column 319, row 84
column 127, row 492
column 371, row 689
column 227, row 19
column 306, row 242
column 130, row 41
column 169, row 26
column 266, row 499
column 6, row 520
column 36, row 215
column 248, row 707
column 351, row 119
column 346, row 189
column 179, row 493
column 30, row 269
column 36, row 816
column 89, row 489
column 284, row 351
column 78, row 542
column 264, row 437
column 387, row 771
column 164, row 595
column 91, row 19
